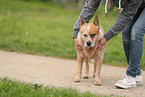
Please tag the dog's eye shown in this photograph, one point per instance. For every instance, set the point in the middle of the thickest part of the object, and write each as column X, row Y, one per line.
column 92, row 35
column 85, row 35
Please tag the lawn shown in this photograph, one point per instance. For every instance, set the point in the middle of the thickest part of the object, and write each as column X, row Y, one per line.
column 10, row 88
column 46, row 28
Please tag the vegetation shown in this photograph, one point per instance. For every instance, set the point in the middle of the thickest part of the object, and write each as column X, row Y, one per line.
column 10, row 88
column 46, row 28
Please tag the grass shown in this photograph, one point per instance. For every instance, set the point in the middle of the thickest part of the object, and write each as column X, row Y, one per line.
column 37, row 32
column 45, row 28
column 10, row 88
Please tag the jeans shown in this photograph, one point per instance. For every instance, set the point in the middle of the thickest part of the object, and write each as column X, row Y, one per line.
column 133, row 35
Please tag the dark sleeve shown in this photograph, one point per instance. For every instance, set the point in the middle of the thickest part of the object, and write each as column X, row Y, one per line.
column 87, row 13
column 124, row 18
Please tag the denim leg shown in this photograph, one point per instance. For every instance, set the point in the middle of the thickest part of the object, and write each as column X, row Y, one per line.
column 126, row 35
column 136, row 45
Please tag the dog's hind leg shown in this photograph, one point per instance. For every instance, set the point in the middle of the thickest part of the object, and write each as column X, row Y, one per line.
column 86, row 68
column 94, row 73
column 79, row 72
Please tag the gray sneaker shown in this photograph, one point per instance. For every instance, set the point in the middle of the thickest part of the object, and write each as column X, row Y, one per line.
column 127, row 82
column 139, row 80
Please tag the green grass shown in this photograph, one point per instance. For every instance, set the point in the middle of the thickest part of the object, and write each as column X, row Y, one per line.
column 10, row 88
column 49, row 32
column 45, row 28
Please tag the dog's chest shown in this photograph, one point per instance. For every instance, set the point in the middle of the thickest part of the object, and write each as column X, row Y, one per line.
column 90, row 54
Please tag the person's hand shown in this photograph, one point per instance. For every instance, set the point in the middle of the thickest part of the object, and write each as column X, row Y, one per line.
column 101, row 44
column 78, row 46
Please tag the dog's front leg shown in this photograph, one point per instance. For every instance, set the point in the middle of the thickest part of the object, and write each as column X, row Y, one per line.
column 79, row 72
column 98, row 64
column 86, row 68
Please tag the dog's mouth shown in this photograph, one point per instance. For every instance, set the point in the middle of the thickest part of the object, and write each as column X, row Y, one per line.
column 89, row 44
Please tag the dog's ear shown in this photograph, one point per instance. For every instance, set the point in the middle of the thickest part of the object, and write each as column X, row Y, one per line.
column 96, row 21
column 82, row 21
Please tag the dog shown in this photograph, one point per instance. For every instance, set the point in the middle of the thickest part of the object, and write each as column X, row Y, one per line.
column 88, row 38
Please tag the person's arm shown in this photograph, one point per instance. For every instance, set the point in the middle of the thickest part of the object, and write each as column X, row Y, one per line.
column 86, row 13
column 125, row 17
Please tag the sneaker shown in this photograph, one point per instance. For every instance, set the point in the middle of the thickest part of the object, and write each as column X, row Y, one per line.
column 139, row 80
column 127, row 82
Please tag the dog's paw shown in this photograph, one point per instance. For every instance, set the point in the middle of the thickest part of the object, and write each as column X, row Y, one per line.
column 77, row 80
column 97, row 83
column 85, row 77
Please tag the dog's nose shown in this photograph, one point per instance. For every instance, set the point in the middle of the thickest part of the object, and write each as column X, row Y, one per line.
column 89, row 43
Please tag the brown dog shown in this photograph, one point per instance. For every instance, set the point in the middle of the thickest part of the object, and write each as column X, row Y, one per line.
column 88, row 38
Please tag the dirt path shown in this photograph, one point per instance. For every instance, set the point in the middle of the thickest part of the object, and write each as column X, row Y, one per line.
column 61, row 73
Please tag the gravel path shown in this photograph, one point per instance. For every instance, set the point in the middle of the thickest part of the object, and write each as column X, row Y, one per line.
column 61, row 73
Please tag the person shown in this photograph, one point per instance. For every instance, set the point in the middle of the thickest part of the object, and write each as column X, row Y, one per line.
column 131, row 22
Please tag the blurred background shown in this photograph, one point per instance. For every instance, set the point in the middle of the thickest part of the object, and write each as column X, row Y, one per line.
column 45, row 27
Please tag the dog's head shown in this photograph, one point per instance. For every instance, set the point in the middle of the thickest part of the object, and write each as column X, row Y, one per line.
column 89, row 32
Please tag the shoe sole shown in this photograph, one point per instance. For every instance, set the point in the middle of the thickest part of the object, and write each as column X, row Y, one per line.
column 121, row 86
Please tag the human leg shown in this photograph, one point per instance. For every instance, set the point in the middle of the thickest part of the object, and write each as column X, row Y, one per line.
column 136, row 46
column 133, row 46
column 126, row 35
